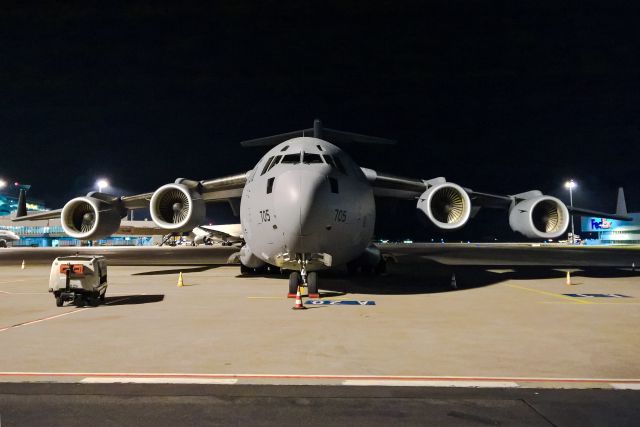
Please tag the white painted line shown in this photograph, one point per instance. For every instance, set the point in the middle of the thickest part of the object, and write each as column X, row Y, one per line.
column 42, row 320
column 158, row 380
column 442, row 383
column 626, row 386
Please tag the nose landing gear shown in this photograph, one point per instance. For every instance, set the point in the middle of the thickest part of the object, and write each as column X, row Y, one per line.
column 302, row 277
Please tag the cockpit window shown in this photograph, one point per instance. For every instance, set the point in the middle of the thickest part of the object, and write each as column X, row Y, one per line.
column 285, row 148
column 329, row 160
column 275, row 162
column 334, row 162
column 311, row 158
column 339, row 165
column 291, row 158
column 266, row 166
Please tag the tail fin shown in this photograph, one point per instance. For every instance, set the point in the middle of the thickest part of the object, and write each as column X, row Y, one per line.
column 621, row 206
column 22, row 203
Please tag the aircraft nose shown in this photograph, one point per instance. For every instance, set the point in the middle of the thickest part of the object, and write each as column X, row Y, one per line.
column 299, row 200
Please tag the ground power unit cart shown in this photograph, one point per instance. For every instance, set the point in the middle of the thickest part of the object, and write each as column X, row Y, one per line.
column 80, row 279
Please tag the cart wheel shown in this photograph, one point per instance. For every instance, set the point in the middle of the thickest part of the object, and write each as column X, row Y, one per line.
column 78, row 301
column 103, row 297
column 59, row 301
column 93, row 301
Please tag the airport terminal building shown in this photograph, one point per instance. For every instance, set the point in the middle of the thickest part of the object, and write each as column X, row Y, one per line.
column 49, row 233
column 612, row 232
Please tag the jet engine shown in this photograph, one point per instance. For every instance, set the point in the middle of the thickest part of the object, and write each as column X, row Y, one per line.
column 541, row 217
column 446, row 205
column 89, row 218
column 177, row 207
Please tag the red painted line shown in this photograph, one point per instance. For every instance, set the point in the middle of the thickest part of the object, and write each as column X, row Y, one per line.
column 318, row 377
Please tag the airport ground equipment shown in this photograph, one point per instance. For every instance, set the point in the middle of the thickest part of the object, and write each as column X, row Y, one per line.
column 80, row 279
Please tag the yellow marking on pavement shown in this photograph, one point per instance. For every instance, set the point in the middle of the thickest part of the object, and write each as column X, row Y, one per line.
column 13, row 281
column 551, row 294
column 598, row 303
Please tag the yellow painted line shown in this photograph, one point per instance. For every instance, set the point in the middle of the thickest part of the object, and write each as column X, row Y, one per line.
column 551, row 294
column 598, row 303
column 13, row 281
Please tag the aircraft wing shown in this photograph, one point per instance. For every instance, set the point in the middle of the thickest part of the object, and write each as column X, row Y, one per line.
column 36, row 216
column 225, row 188
column 217, row 189
column 392, row 186
column 511, row 255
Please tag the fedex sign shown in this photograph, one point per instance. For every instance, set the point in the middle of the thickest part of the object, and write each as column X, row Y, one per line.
column 600, row 224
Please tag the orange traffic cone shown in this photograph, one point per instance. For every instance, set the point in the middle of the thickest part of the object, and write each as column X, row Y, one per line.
column 298, row 305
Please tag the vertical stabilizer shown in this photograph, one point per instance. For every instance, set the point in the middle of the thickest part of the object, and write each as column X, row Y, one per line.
column 22, row 203
column 621, row 206
column 317, row 128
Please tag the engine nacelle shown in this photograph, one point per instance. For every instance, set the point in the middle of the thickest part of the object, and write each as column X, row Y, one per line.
column 89, row 218
column 177, row 207
column 248, row 259
column 446, row 205
column 541, row 217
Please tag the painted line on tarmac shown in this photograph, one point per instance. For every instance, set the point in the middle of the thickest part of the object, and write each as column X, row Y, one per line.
column 12, row 281
column 598, row 303
column 626, row 386
column 355, row 380
column 563, row 297
column 32, row 322
column 432, row 383
column 24, row 293
column 158, row 380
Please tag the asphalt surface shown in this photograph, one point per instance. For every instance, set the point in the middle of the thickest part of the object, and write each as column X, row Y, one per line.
column 516, row 329
column 171, row 405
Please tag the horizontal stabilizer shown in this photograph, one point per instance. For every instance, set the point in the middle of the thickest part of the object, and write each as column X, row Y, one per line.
column 317, row 131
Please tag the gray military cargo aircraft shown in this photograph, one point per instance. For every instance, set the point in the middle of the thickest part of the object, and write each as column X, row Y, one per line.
column 307, row 206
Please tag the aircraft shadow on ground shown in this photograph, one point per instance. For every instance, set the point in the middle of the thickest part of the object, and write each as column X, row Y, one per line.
column 432, row 277
column 177, row 270
column 133, row 299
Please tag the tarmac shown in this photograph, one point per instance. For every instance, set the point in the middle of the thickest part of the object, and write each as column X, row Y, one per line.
column 498, row 329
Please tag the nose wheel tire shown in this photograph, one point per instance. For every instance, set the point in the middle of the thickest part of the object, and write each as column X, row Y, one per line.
column 294, row 281
column 312, row 283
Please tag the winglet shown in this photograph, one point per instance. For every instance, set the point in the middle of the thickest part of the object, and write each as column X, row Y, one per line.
column 22, row 203
column 621, row 206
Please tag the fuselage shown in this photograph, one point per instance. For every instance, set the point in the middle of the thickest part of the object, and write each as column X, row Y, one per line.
column 8, row 236
column 306, row 200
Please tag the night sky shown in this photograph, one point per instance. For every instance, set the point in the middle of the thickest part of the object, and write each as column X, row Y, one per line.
column 500, row 97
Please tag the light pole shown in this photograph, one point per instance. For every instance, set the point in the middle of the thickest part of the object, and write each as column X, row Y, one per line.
column 102, row 184
column 571, row 184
